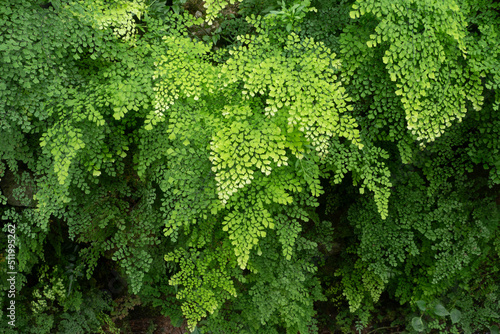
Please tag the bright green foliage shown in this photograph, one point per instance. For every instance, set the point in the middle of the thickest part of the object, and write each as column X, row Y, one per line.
column 424, row 51
column 116, row 16
column 280, row 293
column 206, row 284
column 266, row 137
column 214, row 7
column 224, row 182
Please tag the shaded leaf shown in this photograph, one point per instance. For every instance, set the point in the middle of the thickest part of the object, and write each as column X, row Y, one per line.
column 417, row 324
column 440, row 310
column 455, row 315
column 421, row 305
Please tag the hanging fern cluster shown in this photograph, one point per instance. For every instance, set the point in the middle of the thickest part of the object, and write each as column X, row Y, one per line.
column 338, row 154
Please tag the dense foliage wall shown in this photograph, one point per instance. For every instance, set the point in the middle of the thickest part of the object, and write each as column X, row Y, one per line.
column 251, row 167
